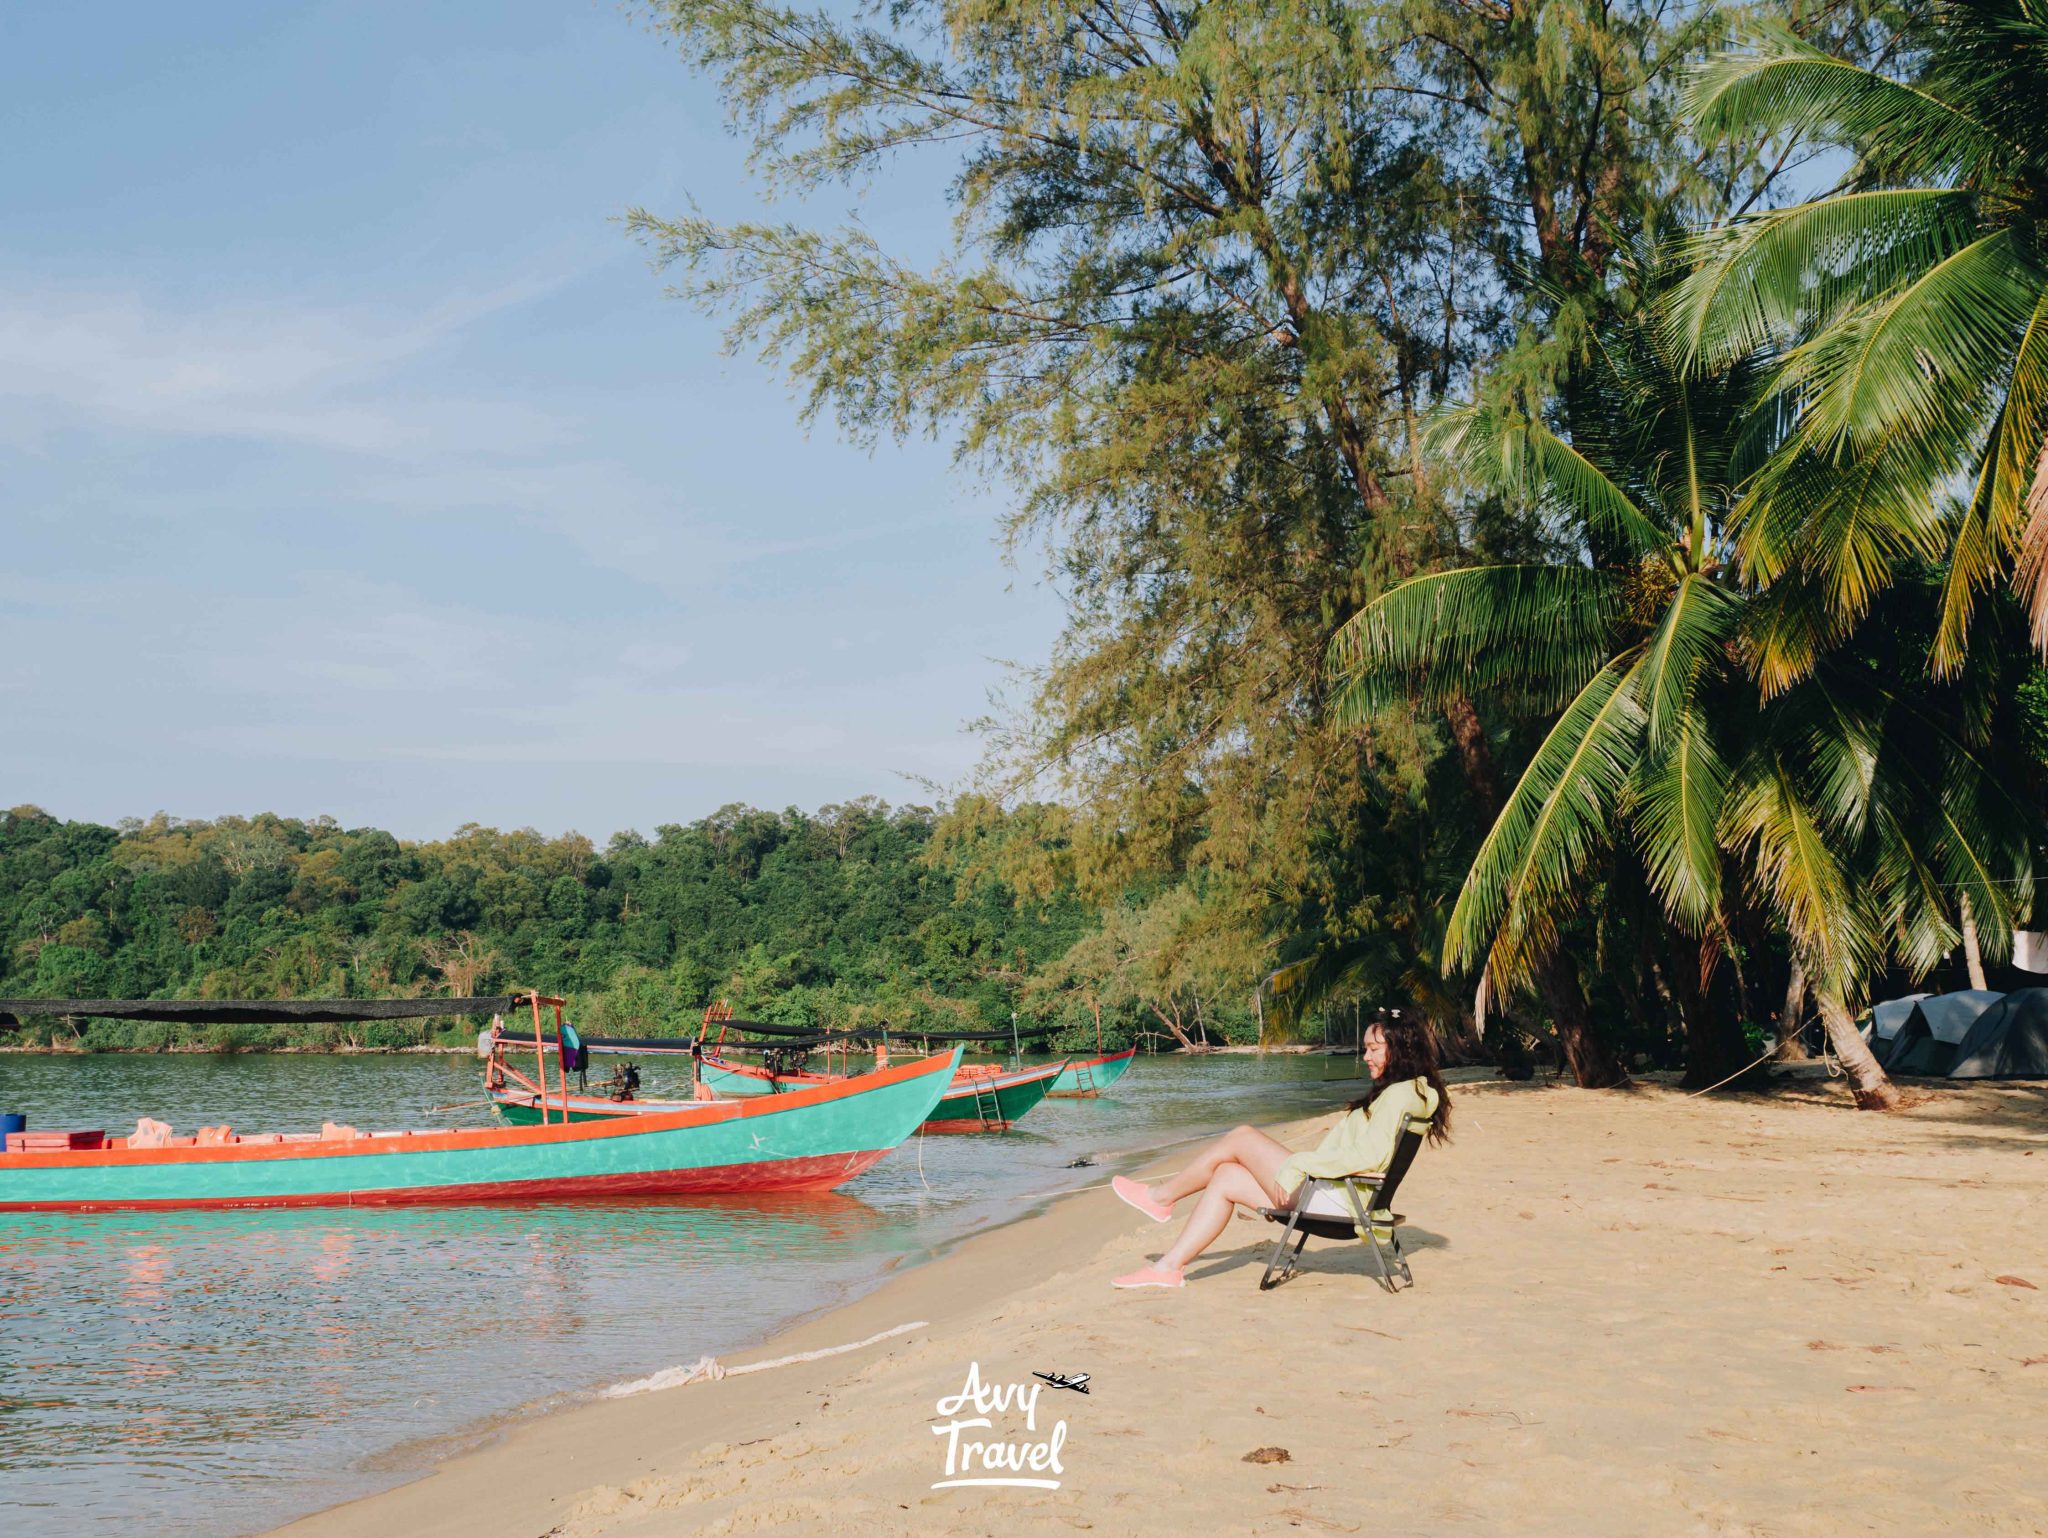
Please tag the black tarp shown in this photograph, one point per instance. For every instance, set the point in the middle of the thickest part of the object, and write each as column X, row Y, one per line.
column 2009, row 1040
column 255, row 1011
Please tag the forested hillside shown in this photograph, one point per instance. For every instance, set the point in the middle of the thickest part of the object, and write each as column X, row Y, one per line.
column 846, row 915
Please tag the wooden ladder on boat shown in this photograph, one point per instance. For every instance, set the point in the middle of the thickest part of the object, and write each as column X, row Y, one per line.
column 1084, row 1080
column 986, row 1106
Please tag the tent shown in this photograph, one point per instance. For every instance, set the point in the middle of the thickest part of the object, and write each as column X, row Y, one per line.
column 1934, row 1028
column 1886, row 1018
column 2008, row 1041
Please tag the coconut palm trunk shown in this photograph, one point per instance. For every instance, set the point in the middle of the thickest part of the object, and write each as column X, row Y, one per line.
column 1792, row 1018
column 1873, row 1090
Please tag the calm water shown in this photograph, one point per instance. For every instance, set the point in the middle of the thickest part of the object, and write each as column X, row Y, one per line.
column 215, row 1373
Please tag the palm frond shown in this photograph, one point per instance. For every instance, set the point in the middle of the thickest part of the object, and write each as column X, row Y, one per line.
column 1773, row 82
column 1676, row 808
column 1765, row 278
column 1806, row 883
column 2010, row 508
column 1524, row 879
column 1918, row 358
column 1525, row 458
column 1844, row 527
column 1536, row 631
column 1698, row 619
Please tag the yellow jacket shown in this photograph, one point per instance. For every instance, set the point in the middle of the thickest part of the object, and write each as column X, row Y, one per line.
column 1363, row 1142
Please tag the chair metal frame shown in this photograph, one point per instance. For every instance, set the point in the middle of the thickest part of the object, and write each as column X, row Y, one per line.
column 1366, row 1193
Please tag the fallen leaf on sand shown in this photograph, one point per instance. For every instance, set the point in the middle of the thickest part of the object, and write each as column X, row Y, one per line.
column 2034, row 1361
column 1276, row 1489
column 2015, row 1281
column 1824, row 1345
column 1880, row 1388
column 1269, row 1455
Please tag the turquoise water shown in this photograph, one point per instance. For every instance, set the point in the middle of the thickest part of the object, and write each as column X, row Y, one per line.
column 209, row 1373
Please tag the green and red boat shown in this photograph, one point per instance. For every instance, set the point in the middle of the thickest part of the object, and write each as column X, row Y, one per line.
column 976, row 1099
column 982, row 1098
column 979, row 1097
column 1092, row 1075
column 804, row 1140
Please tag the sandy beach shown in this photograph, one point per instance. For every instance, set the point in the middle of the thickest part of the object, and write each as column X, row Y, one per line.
column 1635, row 1312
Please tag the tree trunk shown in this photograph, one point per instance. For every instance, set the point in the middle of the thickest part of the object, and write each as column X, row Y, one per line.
column 1713, row 1041
column 1792, row 1018
column 1973, row 958
column 1592, row 1064
column 1874, row 1091
column 1187, row 1044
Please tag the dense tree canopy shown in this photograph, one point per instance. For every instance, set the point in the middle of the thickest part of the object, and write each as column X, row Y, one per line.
column 1216, row 267
column 835, row 917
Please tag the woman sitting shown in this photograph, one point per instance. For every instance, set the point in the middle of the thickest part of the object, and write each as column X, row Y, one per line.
column 1245, row 1167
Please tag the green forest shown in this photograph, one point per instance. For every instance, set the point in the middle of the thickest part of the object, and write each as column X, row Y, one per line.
column 1550, row 498
column 850, row 916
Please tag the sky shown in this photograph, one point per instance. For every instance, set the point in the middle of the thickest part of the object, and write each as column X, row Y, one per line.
column 353, row 461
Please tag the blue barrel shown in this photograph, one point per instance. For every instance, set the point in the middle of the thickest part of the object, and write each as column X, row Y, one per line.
column 11, row 1121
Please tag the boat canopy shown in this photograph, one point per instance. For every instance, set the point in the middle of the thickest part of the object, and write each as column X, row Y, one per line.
column 257, row 1011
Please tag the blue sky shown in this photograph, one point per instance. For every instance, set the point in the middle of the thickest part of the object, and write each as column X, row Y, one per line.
column 352, row 460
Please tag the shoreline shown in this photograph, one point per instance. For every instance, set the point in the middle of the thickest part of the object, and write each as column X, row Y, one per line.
column 933, row 1288
column 1635, row 1311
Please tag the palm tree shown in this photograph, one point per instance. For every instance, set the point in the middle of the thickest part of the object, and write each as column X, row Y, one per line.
column 1862, row 802
column 1635, row 653
column 1876, row 807
column 1913, row 304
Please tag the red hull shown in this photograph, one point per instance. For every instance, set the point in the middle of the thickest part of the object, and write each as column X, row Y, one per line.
column 818, row 1173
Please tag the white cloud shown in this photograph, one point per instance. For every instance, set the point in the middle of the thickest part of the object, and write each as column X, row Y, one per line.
column 291, row 371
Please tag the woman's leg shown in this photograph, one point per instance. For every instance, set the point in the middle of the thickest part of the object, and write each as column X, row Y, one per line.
column 1247, row 1146
column 1229, row 1185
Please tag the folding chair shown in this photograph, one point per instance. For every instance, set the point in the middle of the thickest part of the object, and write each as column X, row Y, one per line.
column 1342, row 1208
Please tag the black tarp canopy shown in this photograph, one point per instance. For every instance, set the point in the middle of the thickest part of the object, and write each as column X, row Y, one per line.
column 256, row 1011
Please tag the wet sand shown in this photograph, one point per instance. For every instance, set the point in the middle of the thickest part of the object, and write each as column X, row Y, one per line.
column 1635, row 1313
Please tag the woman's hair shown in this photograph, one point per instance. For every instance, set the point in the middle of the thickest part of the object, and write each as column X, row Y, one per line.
column 1411, row 1054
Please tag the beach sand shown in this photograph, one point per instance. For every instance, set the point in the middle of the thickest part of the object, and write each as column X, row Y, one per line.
column 1634, row 1313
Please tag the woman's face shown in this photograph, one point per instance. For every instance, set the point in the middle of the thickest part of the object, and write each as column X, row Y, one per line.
column 1375, row 1051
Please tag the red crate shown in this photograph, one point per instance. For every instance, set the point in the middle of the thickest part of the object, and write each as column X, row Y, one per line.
column 54, row 1142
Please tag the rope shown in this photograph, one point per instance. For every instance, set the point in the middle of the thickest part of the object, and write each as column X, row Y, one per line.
column 1769, row 1052
column 1827, row 1056
column 708, row 1369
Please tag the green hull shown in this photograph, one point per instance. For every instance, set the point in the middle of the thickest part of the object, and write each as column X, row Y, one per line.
column 798, row 1141
column 994, row 1104
column 1093, row 1076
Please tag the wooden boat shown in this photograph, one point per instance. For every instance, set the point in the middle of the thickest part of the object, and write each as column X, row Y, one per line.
column 986, row 1099
column 804, row 1140
column 1091, row 1076
column 728, row 1076
column 979, row 1098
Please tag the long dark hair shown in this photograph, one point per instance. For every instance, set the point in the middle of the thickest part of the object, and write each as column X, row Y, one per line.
column 1411, row 1054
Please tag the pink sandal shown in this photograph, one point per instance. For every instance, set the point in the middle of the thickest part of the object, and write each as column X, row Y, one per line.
column 1136, row 1193
column 1150, row 1276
